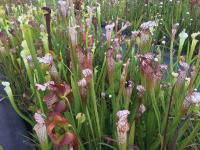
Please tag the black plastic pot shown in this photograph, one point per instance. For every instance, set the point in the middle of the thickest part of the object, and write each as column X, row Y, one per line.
column 12, row 127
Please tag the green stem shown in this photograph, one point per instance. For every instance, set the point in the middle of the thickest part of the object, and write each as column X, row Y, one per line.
column 93, row 98
column 171, row 55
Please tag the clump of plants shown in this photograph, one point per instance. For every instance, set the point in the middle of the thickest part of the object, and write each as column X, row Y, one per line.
column 81, row 85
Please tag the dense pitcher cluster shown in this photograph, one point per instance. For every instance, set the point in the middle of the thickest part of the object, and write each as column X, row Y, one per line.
column 92, row 86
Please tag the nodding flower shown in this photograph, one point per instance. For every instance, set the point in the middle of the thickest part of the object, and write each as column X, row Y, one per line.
column 122, row 126
column 191, row 99
column 40, row 127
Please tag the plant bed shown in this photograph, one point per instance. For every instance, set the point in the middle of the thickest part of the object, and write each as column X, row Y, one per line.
column 81, row 85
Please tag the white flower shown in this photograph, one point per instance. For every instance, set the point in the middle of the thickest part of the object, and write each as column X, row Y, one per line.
column 177, row 24
column 156, row 59
column 163, row 42
column 187, row 12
